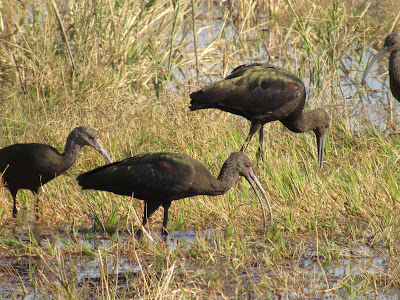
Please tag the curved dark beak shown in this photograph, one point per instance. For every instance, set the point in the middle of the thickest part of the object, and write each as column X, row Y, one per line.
column 253, row 180
column 321, row 146
column 99, row 147
column 377, row 56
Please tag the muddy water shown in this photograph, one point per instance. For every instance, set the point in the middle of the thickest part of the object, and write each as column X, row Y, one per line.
column 62, row 261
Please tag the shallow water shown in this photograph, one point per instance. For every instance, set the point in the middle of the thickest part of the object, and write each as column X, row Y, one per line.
column 114, row 258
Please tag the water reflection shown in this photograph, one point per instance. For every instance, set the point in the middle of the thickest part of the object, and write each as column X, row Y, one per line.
column 114, row 258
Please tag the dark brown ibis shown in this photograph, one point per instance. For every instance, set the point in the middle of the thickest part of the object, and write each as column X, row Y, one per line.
column 264, row 93
column 392, row 45
column 160, row 178
column 29, row 166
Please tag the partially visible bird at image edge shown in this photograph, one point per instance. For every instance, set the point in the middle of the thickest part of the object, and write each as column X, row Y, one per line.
column 30, row 166
column 392, row 45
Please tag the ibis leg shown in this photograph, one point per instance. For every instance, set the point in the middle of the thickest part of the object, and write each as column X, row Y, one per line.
column 14, row 195
column 253, row 129
column 37, row 205
column 149, row 209
column 261, row 147
column 164, row 231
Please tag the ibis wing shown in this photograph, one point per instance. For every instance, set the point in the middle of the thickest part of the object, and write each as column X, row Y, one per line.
column 253, row 91
column 144, row 177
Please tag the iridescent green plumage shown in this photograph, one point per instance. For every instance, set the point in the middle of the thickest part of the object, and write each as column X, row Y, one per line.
column 160, row 178
column 264, row 93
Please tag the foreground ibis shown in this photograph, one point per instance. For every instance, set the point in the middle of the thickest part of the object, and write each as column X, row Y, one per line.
column 392, row 45
column 29, row 166
column 160, row 178
column 264, row 93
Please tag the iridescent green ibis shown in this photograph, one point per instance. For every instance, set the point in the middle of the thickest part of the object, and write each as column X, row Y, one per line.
column 392, row 45
column 160, row 178
column 30, row 166
column 264, row 93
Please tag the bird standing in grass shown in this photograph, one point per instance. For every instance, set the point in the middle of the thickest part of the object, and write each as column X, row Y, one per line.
column 392, row 45
column 30, row 166
column 160, row 178
column 264, row 93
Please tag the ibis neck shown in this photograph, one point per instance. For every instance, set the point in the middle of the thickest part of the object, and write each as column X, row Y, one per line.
column 71, row 151
column 303, row 122
column 226, row 179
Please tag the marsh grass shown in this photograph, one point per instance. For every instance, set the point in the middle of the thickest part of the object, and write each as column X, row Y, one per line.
column 135, row 67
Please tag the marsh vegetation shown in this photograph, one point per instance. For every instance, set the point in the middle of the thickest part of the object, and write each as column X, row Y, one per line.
column 126, row 68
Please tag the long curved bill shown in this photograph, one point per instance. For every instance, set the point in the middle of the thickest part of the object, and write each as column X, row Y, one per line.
column 103, row 151
column 377, row 56
column 321, row 147
column 253, row 180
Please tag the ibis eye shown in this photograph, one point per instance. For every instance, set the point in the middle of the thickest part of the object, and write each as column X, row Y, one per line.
column 248, row 167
